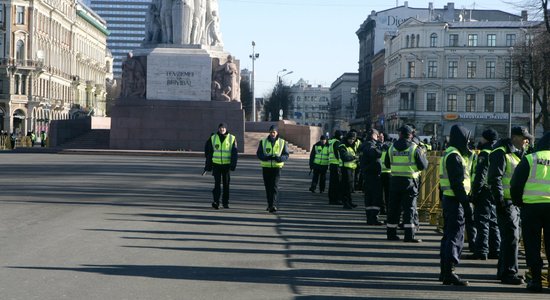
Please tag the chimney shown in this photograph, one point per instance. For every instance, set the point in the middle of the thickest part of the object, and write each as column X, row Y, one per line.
column 524, row 15
column 406, row 4
column 451, row 5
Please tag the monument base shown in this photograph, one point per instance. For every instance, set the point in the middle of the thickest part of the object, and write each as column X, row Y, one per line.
column 139, row 124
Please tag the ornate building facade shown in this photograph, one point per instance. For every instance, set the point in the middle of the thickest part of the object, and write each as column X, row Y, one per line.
column 309, row 105
column 343, row 101
column 54, row 63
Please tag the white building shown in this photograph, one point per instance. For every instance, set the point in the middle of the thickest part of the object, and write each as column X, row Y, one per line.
column 343, row 101
column 439, row 74
column 54, row 63
column 309, row 105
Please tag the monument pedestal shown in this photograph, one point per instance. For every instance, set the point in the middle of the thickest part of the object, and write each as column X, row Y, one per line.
column 141, row 124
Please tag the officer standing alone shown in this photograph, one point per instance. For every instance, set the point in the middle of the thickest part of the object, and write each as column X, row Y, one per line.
column 406, row 160
column 221, row 158
column 272, row 152
column 530, row 189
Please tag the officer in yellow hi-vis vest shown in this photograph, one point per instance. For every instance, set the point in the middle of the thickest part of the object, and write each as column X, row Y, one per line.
column 349, row 159
column 221, row 158
column 385, row 176
column 530, row 189
column 334, row 169
column 502, row 163
column 406, row 161
column 455, row 183
column 272, row 152
column 318, row 162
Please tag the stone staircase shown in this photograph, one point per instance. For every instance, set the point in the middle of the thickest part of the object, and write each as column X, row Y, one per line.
column 252, row 139
column 94, row 139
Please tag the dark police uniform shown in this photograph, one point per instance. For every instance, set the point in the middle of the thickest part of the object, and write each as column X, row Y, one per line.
column 318, row 162
column 348, row 158
column 272, row 152
column 406, row 161
column 385, row 177
column 334, row 169
column 221, row 157
column 372, row 183
column 530, row 189
column 455, row 182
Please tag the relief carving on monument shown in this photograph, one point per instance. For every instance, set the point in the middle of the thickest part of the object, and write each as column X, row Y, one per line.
column 133, row 78
column 225, row 80
column 183, row 22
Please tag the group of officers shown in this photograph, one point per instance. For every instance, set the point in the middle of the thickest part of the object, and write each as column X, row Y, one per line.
column 481, row 191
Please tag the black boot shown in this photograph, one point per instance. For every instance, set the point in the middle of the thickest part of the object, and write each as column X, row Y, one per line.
column 391, row 234
column 409, row 236
column 535, row 285
column 441, row 271
column 451, row 278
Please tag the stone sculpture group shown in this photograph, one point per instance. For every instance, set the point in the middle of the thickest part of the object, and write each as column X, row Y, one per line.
column 183, row 22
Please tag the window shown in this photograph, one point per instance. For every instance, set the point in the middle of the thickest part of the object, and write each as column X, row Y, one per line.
column 528, row 39
column 16, row 85
column 406, row 101
column 526, row 107
column 451, row 102
column 510, row 40
column 472, row 40
column 471, row 67
column 491, row 69
column 417, row 40
column 20, row 15
column 412, row 40
column 432, row 69
column 1, row 14
column 407, row 42
column 489, row 102
column 453, row 69
column 411, row 69
column 23, row 85
column 453, row 40
column 433, row 40
column 506, row 103
column 20, row 51
column 430, row 101
column 470, row 102
column 507, row 69
column 491, row 40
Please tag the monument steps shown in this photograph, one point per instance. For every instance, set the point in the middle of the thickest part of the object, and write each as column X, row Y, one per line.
column 93, row 139
column 252, row 139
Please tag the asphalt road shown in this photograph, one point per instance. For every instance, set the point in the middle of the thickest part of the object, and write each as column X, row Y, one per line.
column 138, row 227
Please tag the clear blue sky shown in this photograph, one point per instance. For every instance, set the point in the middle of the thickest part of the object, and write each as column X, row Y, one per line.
column 313, row 38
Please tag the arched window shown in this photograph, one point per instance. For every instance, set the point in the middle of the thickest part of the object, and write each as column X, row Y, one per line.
column 412, row 40
column 407, row 42
column 433, row 40
column 20, row 51
column 417, row 40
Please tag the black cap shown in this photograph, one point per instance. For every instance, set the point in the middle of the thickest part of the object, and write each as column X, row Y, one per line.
column 405, row 130
column 323, row 137
column 490, row 135
column 273, row 128
column 337, row 134
column 224, row 125
column 521, row 131
column 351, row 134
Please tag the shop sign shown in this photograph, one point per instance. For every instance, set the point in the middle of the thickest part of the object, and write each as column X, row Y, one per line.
column 451, row 117
column 483, row 116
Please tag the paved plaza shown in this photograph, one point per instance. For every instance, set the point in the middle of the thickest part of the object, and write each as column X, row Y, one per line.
column 141, row 227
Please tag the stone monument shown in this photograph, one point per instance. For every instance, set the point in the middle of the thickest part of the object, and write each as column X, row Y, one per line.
column 180, row 84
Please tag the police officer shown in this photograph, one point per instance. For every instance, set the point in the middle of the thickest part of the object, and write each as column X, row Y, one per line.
column 455, row 183
column 530, row 189
column 487, row 241
column 318, row 162
column 358, row 175
column 334, row 168
column 272, row 152
column 348, row 158
column 221, row 158
column 386, row 172
column 406, row 160
column 502, row 163
column 370, row 166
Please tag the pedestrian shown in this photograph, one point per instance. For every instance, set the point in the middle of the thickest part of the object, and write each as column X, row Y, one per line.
column 406, row 160
column 530, row 190
column 372, row 183
column 43, row 138
column 273, row 153
column 502, row 163
column 318, row 162
column 221, row 158
column 334, row 169
column 487, row 242
column 348, row 158
column 385, row 176
column 455, row 182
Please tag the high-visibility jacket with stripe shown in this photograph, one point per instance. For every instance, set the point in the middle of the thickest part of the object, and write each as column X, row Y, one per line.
column 222, row 150
column 331, row 157
column 403, row 163
column 273, row 150
column 382, row 160
column 349, row 164
column 512, row 161
column 537, row 187
column 321, row 155
column 444, row 181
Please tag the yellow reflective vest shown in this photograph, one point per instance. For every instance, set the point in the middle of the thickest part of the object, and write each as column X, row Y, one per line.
column 403, row 163
column 273, row 150
column 349, row 164
column 321, row 155
column 331, row 157
column 512, row 161
column 382, row 162
column 537, row 187
column 222, row 150
column 444, row 176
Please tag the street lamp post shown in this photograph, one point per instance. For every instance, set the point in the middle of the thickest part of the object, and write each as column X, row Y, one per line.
column 253, row 56
column 511, row 101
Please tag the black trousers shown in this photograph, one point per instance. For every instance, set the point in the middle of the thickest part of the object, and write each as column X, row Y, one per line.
column 403, row 198
column 452, row 241
column 346, row 186
column 534, row 220
column 470, row 227
column 319, row 176
column 221, row 177
column 372, row 188
column 508, row 224
column 271, row 183
column 334, row 184
column 485, row 216
column 385, row 178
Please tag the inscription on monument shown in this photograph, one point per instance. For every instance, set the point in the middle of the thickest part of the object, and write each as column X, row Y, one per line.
column 179, row 78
